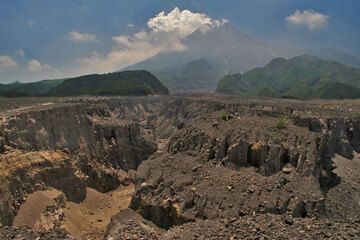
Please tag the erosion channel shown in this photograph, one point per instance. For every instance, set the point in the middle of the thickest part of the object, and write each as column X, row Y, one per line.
column 195, row 167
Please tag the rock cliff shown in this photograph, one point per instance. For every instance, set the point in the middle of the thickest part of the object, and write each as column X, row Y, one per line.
column 228, row 159
column 69, row 147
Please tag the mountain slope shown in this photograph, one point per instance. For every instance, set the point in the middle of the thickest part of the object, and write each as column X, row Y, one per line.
column 18, row 89
column 299, row 77
column 119, row 83
column 334, row 54
column 229, row 51
column 196, row 75
column 225, row 48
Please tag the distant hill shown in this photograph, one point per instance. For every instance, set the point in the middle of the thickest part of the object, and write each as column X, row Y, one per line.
column 300, row 77
column 120, row 83
column 196, row 75
column 226, row 49
column 338, row 56
column 18, row 89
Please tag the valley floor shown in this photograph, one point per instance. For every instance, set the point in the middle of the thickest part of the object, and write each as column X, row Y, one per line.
column 86, row 220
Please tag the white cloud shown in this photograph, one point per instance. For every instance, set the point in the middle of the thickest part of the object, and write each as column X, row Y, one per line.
column 182, row 23
column 165, row 33
column 82, row 37
column 20, row 52
column 35, row 66
column 309, row 18
column 6, row 62
column 37, row 71
column 30, row 23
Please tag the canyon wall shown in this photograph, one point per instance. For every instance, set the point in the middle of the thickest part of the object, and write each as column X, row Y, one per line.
column 68, row 147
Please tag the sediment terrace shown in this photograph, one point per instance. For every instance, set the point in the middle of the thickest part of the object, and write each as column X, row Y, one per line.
column 177, row 167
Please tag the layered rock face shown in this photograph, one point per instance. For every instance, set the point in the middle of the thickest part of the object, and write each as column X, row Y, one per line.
column 69, row 147
column 342, row 134
column 69, row 128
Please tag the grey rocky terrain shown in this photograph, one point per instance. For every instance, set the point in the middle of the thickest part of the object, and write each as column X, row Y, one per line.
column 203, row 167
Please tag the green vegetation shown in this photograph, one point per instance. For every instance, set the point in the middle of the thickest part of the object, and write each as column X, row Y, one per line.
column 195, row 75
column 281, row 123
column 225, row 116
column 301, row 77
column 135, row 83
column 337, row 90
column 18, row 89
column 229, row 85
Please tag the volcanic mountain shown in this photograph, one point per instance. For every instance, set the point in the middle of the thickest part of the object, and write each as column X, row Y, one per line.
column 222, row 50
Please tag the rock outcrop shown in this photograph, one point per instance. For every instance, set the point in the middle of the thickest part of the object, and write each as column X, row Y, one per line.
column 66, row 147
column 342, row 134
column 244, row 164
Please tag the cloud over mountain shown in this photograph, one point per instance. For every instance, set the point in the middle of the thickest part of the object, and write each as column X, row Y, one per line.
column 182, row 23
column 35, row 66
column 39, row 70
column 308, row 18
column 165, row 33
column 6, row 62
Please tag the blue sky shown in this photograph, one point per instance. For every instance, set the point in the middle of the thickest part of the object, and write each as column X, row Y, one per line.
column 60, row 38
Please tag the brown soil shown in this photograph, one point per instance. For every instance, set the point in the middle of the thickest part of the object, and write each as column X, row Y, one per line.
column 33, row 212
column 14, row 160
column 89, row 219
column 85, row 220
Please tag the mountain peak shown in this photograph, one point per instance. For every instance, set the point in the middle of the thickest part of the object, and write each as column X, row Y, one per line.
column 306, row 57
column 276, row 61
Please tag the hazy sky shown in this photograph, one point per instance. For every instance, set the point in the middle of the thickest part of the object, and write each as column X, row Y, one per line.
column 42, row 39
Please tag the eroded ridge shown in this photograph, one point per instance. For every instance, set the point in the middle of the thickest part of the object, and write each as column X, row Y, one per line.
column 197, row 162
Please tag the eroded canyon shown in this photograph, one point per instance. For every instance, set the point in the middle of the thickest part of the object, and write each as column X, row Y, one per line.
column 179, row 167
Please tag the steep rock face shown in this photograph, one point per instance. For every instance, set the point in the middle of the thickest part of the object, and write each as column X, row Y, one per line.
column 69, row 128
column 122, row 143
column 64, row 127
column 67, row 147
column 269, row 155
column 25, row 172
column 228, row 160
column 342, row 134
